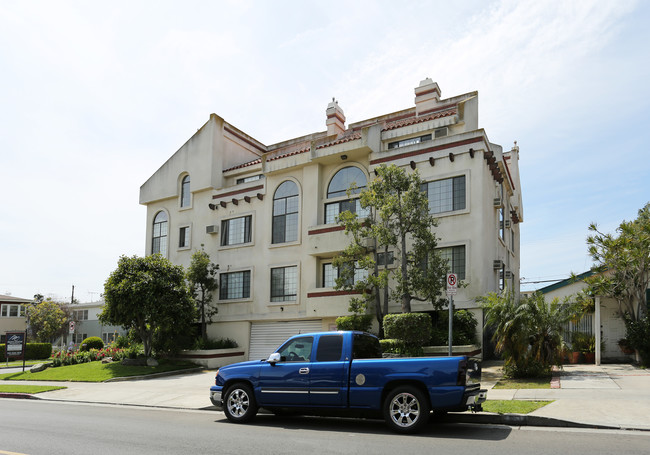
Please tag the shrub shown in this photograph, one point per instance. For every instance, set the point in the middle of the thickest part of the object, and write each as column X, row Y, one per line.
column 361, row 322
column 412, row 330
column 464, row 330
column 390, row 346
column 91, row 343
column 638, row 337
column 33, row 351
column 221, row 343
column 121, row 342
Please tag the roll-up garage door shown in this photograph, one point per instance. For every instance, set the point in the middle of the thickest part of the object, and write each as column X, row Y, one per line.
column 266, row 337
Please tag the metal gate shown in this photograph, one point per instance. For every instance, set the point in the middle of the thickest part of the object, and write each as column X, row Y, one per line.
column 266, row 337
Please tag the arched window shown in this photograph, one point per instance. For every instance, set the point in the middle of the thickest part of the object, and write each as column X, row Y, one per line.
column 342, row 181
column 285, row 213
column 159, row 237
column 185, row 192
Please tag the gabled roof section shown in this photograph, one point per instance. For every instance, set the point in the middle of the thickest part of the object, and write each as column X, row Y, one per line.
column 566, row 282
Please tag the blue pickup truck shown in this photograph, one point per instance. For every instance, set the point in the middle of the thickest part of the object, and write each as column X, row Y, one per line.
column 344, row 373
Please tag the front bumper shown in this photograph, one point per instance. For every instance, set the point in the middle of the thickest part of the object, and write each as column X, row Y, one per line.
column 215, row 398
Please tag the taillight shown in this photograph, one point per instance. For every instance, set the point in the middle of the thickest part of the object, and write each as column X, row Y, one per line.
column 462, row 373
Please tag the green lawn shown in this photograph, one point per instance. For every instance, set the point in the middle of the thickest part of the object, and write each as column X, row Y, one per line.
column 31, row 389
column 535, row 383
column 513, row 406
column 95, row 372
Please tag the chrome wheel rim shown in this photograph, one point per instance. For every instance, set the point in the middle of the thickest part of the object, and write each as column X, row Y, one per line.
column 238, row 402
column 404, row 409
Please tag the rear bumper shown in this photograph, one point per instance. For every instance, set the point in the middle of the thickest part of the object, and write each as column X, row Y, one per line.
column 473, row 398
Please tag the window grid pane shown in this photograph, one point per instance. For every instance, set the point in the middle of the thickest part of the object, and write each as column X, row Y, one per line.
column 236, row 231
column 446, row 195
column 284, row 284
column 235, row 285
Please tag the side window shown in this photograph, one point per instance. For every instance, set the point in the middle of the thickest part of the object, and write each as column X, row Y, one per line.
column 330, row 348
column 159, row 237
column 285, row 213
column 337, row 191
column 297, row 350
column 366, row 347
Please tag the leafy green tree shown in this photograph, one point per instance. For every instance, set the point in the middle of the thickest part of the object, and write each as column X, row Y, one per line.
column 529, row 332
column 47, row 319
column 398, row 223
column 148, row 294
column 623, row 264
column 201, row 276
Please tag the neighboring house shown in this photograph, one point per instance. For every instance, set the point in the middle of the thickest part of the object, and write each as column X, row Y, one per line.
column 12, row 315
column 606, row 316
column 87, row 323
column 266, row 213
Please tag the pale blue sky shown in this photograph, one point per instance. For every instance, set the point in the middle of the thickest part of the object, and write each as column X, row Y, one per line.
column 95, row 97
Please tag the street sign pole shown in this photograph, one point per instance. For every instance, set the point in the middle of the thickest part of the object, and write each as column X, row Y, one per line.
column 452, row 286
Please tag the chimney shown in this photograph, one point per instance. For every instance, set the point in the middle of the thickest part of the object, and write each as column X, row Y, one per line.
column 427, row 96
column 335, row 119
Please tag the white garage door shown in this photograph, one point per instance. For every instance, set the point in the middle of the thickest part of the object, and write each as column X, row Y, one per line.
column 266, row 337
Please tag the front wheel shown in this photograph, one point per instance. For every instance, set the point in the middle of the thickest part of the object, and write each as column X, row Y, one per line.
column 406, row 409
column 239, row 403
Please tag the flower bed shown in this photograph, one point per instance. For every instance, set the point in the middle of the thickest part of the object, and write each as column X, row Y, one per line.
column 72, row 358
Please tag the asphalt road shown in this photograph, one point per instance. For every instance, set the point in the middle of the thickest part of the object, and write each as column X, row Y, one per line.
column 39, row 427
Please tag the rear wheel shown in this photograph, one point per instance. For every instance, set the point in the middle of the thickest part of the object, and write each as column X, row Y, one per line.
column 406, row 409
column 239, row 403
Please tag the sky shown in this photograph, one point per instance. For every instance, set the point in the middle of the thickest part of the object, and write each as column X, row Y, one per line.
column 95, row 97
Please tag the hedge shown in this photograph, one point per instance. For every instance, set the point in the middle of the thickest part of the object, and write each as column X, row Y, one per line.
column 361, row 322
column 412, row 330
column 33, row 351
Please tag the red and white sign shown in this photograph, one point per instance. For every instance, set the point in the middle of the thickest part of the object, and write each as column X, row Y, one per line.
column 71, row 326
column 452, row 284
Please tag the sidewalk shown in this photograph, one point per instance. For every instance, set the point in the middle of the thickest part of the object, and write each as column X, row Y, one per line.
column 606, row 396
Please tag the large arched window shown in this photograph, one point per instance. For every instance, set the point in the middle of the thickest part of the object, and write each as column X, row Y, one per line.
column 159, row 236
column 337, row 191
column 285, row 213
column 185, row 192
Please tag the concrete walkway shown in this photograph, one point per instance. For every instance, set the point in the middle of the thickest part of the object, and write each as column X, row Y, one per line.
column 612, row 396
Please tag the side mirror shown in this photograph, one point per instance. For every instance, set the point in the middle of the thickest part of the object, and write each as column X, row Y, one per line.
column 274, row 358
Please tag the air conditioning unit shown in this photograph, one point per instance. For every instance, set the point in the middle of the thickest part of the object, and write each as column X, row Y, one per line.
column 497, row 202
column 212, row 229
column 497, row 264
column 508, row 224
column 440, row 132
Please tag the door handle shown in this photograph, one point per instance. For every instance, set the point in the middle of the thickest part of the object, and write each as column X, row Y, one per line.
column 304, row 371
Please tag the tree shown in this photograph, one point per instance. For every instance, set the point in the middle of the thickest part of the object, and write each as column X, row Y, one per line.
column 623, row 264
column 201, row 276
column 528, row 333
column 47, row 319
column 148, row 295
column 398, row 223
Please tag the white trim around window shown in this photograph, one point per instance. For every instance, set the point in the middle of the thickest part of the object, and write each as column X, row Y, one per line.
column 243, row 233
column 184, row 237
column 288, row 278
column 235, row 285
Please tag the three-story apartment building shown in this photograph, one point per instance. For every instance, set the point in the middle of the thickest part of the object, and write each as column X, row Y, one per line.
column 267, row 213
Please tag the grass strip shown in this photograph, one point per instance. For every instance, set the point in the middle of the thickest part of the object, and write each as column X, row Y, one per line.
column 529, row 383
column 95, row 372
column 31, row 389
column 513, row 406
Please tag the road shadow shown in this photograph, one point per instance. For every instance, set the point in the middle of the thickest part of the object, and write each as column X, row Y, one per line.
column 436, row 428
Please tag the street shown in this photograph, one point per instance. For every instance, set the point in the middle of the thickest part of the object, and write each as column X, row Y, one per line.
column 36, row 427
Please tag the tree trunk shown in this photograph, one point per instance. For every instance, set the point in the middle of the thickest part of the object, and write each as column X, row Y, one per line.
column 406, row 298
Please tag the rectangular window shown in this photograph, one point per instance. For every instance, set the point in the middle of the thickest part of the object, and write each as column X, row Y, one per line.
column 384, row 259
column 184, row 237
column 109, row 337
column 446, row 195
column 236, row 231
column 77, row 338
column 235, row 285
column 333, row 209
column 409, row 141
column 250, row 179
column 284, row 284
column 455, row 257
column 12, row 310
column 331, row 273
column 80, row 315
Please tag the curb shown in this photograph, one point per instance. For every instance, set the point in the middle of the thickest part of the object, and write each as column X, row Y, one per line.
column 527, row 420
column 21, row 396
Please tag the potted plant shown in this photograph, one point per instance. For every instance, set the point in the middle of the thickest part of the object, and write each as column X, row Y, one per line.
column 579, row 345
column 624, row 344
column 590, row 349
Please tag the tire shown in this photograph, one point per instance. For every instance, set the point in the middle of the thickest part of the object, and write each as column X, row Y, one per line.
column 239, row 403
column 406, row 409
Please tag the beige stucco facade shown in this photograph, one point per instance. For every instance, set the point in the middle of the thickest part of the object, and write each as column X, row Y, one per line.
column 12, row 315
column 232, row 175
